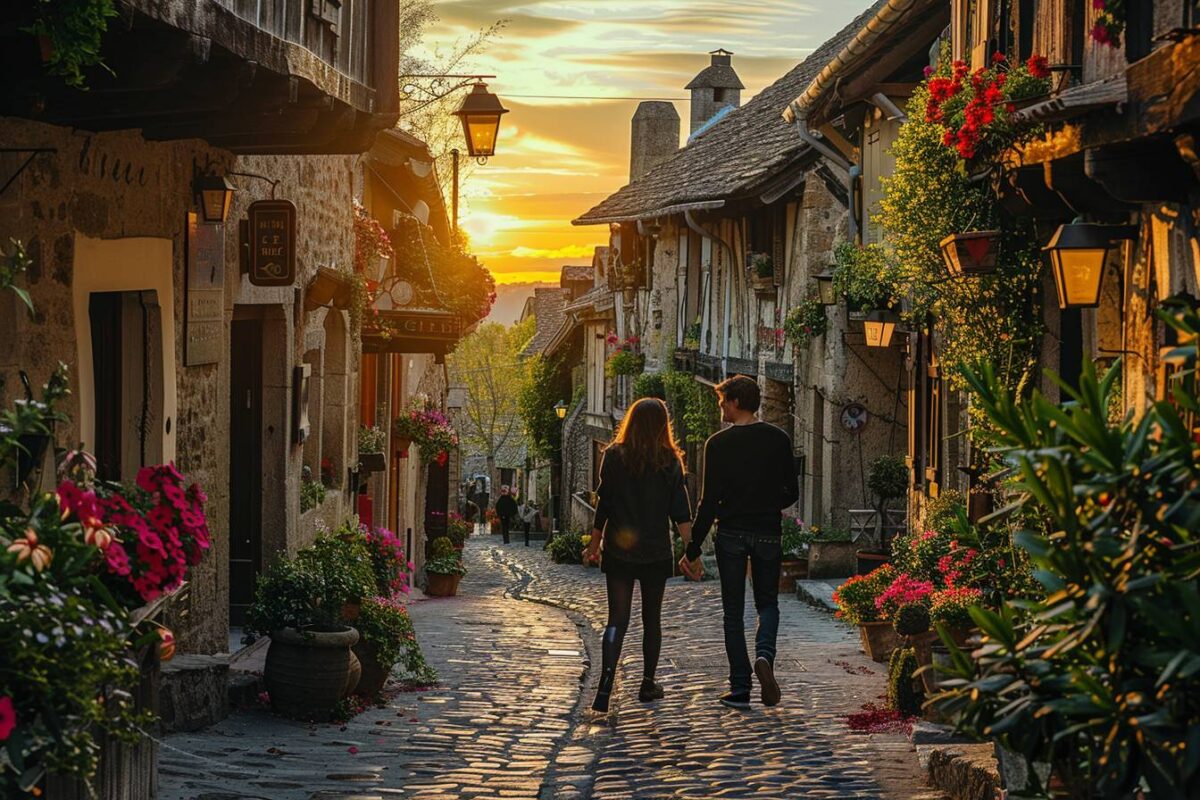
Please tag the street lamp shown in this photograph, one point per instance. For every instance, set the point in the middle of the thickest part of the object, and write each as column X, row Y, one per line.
column 879, row 326
column 560, row 411
column 480, row 116
column 825, row 290
column 1077, row 254
column 216, row 196
column 560, row 408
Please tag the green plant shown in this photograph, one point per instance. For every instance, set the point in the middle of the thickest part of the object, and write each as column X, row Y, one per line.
column 73, row 30
column 904, row 695
column 942, row 511
column 12, row 265
column 806, row 321
column 566, row 548
column 888, row 478
column 856, row 597
column 624, row 362
column 343, row 559
column 860, row 275
column 1098, row 675
column 445, row 565
column 458, row 530
column 693, row 404
column 912, row 619
column 371, row 439
column 442, row 547
column 952, row 607
column 691, row 336
column 429, row 429
column 384, row 625
column 543, row 387
column 763, row 265
column 649, row 384
column 290, row 594
column 312, row 494
column 388, row 562
column 796, row 537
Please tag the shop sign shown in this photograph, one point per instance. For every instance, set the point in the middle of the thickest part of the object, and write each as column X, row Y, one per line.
column 272, row 225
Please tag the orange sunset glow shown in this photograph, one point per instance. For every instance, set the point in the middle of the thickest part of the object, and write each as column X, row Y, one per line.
column 572, row 73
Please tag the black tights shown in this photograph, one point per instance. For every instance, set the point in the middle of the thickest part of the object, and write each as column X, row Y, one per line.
column 620, row 606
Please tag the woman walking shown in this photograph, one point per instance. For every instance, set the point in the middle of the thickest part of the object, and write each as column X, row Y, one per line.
column 641, row 492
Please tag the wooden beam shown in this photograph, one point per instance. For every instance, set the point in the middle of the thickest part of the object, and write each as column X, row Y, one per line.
column 895, row 52
column 840, row 143
column 1164, row 87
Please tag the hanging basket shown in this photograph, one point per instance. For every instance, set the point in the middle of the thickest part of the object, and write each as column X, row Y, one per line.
column 973, row 253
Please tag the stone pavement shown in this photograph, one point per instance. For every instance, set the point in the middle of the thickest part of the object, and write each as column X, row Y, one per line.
column 510, row 718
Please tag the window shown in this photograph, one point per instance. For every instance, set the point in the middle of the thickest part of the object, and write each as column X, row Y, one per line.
column 719, row 95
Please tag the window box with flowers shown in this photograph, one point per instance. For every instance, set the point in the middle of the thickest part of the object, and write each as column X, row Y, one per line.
column 625, row 360
column 806, row 321
column 372, row 247
column 761, row 268
column 372, row 441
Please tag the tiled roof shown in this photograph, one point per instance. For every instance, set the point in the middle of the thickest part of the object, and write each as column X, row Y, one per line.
column 716, row 76
column 743, row 151
column 548, row 313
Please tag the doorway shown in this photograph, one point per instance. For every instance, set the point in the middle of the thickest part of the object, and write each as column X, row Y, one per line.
column 245, row 465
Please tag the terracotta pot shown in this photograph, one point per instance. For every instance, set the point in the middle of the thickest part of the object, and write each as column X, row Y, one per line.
column 352, row 675
column 374, row 673
column 879, row 639
column 308, row 672
column 790, row 571
column 440, row 585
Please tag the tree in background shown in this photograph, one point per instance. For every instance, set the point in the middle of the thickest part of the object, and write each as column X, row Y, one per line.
column 486, row 365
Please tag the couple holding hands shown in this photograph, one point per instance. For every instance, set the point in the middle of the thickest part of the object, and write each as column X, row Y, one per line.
column 749, row 478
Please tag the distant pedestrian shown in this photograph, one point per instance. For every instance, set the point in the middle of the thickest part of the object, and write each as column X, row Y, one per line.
column 506, row 510
column 641, row 492
column 749, row 478
column 528, row 512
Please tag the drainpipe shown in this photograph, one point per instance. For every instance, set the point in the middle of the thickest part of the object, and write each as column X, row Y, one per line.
column 852, row 184
column 853, row 171
column 885, row 104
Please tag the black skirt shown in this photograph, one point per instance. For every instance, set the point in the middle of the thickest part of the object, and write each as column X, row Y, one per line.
column 611, row 564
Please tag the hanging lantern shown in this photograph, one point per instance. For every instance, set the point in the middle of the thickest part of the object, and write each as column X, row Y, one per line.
column 825, row 290
column 1077, row 253
column 879, row 327
column 216, row 196
column 972, row 253
column 560, row 409
column 480, row 115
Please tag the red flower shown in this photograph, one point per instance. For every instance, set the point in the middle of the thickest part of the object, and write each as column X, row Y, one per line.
column 998, row 58
column 8, row 718
column 1038, row 66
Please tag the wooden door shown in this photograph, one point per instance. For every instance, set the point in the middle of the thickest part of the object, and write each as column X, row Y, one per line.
column 104, row 312
column 245, row 465
column 437, row 498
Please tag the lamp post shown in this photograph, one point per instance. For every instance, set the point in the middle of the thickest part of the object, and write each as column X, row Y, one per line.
column 560, row 410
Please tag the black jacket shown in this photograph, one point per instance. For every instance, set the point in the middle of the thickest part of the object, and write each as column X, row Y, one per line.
column 635, row 511
column 506, row 507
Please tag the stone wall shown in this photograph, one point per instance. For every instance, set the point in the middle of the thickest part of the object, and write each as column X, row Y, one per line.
column 107, row 188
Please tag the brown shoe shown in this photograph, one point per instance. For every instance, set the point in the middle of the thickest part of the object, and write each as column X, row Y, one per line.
column 765, row 673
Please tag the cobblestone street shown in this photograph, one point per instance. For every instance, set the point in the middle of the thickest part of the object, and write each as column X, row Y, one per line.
column 509, row 718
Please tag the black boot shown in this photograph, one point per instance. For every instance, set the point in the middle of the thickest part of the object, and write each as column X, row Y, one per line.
column 650, row 690
column 604, row 691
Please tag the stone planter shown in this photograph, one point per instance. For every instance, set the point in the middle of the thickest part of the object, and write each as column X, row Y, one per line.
column 831, row 559
column 441, row 585
column 790, row 571
column 308, row 672
column 374, row 672
column 867, row 561
column 879, row 639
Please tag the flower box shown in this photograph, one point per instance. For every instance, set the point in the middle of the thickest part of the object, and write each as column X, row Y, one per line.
column 372, row 462
column 972, row 253
column 831, row 559
column 879, row 639
column 790, row 571
column 442, row 585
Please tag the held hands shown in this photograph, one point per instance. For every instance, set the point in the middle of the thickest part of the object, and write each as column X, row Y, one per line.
column 692, row 570
column 591, row 555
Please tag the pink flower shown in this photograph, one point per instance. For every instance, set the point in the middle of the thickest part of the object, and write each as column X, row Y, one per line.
column 352, row 750
column 8, row 718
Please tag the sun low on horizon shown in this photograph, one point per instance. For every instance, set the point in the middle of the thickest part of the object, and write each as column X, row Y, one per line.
column 571, row 73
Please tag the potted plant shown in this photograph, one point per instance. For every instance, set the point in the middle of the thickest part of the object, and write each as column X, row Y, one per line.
column 762, row 272
column 566, row 548
column 344, row 560
column 429, row 429
column 856, row 602
column 949, row 613
column 309, row 662
column 794, row 546
column 371, row 443
column 830, row 553
column 458, row 530
column 806, row 321
column 887, row 479
column 384, row 627
column 444, row 569
column 372, row 247
column 388, row 562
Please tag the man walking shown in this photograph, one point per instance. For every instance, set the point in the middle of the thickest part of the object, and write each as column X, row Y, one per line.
column 749, row 478
column 506, row 510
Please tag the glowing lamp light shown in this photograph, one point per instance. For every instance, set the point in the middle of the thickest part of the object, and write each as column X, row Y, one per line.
column 480, row 115
column 560, row 408
column 216, row 196
column 825, row 290
column 879, row 327
column 973, row 253
column 1077, row 254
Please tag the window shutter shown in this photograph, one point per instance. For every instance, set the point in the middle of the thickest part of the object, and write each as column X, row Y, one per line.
column 778, row 242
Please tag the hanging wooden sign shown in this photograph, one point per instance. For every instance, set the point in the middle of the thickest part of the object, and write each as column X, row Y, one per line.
column 272, row 226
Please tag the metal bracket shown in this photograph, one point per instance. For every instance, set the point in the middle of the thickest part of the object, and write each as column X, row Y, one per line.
column 33, row 153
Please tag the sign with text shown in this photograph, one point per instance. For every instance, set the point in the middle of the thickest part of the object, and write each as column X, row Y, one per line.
column 204, row 296
column 424, row 325
column 272, row 242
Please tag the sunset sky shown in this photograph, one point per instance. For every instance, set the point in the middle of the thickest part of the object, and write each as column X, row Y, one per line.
column 558, row 157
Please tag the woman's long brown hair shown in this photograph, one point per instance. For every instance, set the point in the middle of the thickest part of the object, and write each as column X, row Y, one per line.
column 646, row 438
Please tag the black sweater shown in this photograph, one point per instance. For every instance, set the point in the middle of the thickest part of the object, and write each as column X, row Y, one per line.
column 635, row 511
column 506, row 507
column 749, row 478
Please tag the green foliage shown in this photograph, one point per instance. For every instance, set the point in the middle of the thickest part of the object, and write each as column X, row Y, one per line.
column 445, row 565
column 540, row 391
column 942, row 511
column 649, row 384
column 911, row 619
column 624, row 362
column 12, row 266
column 312, row 494
column 888, row 478
column 691, row 336
column 1099, row 674
column 442, row 547
column 903, row 694
column 371, row 440
column 796, row 537
column 384, row 625
column 458, row 530
column 806, row 321
column 290, row 594
column 860, row 275
column 344, row 561
column 73, row 29
column 693, row 407
column 566, row 548
column 488, row 365
column 763, row 265
column 855, row 598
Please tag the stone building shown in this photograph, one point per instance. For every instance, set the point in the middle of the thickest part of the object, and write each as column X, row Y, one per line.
column 715, row 90
column 713, row 248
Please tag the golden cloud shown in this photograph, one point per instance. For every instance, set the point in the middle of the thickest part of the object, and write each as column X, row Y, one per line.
column 570, row 251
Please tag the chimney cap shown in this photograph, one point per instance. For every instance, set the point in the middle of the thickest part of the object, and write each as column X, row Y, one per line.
column 719, row 74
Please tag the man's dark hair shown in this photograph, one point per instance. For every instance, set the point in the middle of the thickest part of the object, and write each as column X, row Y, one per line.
column 742, row 389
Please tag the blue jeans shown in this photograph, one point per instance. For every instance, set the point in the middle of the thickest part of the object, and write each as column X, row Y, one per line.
column 764, row 552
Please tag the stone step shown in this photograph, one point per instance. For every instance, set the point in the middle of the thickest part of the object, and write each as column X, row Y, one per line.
column 963, row 771
column 817, row 593
column 192, row 694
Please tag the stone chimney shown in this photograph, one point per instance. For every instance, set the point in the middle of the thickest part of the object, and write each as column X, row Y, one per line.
column 655, row 136
column 715, row 88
